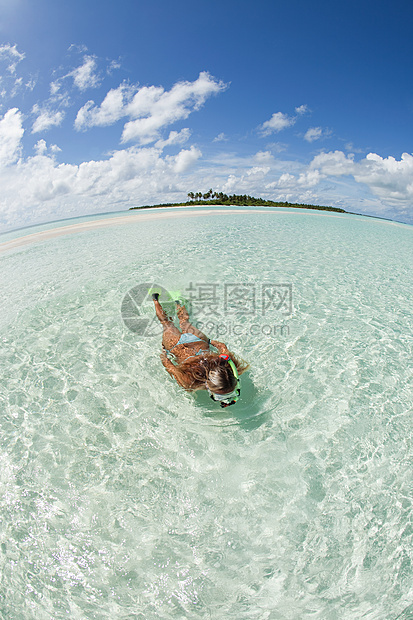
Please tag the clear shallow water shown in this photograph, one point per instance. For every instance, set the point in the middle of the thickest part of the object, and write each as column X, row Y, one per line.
column 124, row 497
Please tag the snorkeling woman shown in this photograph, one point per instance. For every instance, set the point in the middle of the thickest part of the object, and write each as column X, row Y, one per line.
column 197, row 367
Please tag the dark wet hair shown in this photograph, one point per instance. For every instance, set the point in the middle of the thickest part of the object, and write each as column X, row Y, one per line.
column 221, row 379
column 212, row 371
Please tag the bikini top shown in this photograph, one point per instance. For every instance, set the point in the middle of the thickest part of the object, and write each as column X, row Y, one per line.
column 188, row 338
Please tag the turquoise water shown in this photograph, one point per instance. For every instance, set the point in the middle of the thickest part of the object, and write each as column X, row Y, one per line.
column 124, row 497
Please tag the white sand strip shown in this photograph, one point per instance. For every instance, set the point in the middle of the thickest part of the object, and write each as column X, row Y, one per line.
column 142, row 216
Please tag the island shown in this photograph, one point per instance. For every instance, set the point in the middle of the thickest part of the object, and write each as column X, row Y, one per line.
column 234, row 200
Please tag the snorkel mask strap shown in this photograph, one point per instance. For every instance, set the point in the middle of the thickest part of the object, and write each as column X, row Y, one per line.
column 232, row 366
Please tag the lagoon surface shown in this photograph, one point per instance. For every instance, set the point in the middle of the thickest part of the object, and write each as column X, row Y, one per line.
column 122, row 496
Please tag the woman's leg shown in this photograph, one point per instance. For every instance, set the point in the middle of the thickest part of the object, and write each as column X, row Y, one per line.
column 171, row 334
column 185, row 325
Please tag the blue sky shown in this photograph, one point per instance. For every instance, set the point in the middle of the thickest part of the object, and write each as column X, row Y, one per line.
column 108, row 105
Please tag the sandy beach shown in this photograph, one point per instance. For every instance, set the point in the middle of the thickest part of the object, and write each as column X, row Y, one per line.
column 144, row 215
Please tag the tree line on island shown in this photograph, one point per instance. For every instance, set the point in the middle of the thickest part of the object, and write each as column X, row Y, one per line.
column 219, row 198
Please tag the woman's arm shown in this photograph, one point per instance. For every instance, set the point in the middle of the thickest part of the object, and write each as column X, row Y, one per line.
column 222, row 348
column 177, row 374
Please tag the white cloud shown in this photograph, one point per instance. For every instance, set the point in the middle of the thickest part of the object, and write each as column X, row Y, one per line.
column 312, row 134
column 185, row 159
column 114, row 64
column 40, row 147
column 111, row 109
column 46, row 119
column 18, row 82
column 12, row 56
column 277, row 147
column 54, row 87
column 154, row 108
column 175, row 137
column 353, row 149
column 388, row 178
column 220, row 138
column 41, row 189
column 334, row 163
column 277, row 122
column 316, row 133
column 258, row 171
column 85, row 75
column 310, row 178
column 280, row 121
column 11, row 133
column 231, row 184
column 80, row 49
column 259, row 181
column 286, row 180
column 293, row 184
column 150, row 108
column 264, row 157
column 12, row 83
column 31, row 84
column 302, row 109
